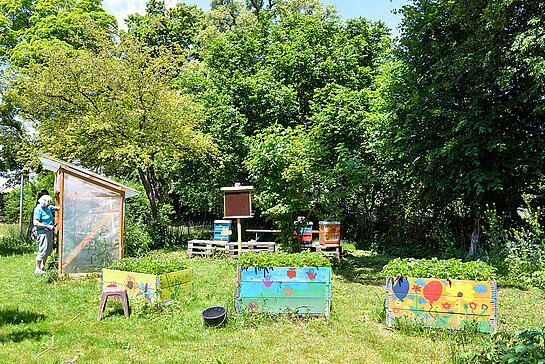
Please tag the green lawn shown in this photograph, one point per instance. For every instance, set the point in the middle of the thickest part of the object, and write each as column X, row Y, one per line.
column 33, row 307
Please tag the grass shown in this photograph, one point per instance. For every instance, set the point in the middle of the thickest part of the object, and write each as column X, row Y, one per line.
column 10, row 230
column 33, row 307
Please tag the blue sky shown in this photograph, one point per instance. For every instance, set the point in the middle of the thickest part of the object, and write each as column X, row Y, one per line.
column 370, row 9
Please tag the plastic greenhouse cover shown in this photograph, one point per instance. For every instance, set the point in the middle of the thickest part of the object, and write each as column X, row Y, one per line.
column 91, row 226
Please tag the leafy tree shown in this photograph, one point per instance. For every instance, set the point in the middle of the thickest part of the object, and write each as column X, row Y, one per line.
column 176, row 28
column 113, row 111
column 288, row 181
column 12, row 134
column 301, row 72
column 469, row 102
column 30, row 28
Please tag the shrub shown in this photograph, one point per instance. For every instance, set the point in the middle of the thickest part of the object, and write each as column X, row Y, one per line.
column 520, row 347
column 14, row 246
column 441, row 269
column 526, row 248
column 148, row 265
column 30, row 192
column 136, row 239
column 164, row 236
column 282, row 259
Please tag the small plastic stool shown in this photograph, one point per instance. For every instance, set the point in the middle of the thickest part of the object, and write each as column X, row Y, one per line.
column 114, row 292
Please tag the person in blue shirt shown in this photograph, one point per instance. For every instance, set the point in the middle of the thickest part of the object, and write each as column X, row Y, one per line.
column 43, row 220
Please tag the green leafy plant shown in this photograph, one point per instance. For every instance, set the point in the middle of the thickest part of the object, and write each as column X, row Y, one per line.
column 282, row 259
column 493, row 251
column 148, row 265
column 136, row 239
column 525, row 250
column 438, row 268
column 526, row 346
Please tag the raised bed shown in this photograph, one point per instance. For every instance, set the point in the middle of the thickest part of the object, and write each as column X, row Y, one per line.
column 154, row 288
column 453, row 304
column 302, row 291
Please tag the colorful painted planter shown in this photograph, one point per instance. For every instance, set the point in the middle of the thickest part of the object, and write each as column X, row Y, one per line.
column 453, row 304
column 304, row 291
column 154, row 288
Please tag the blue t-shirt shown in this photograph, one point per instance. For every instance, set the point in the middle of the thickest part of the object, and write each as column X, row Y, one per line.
column 43, row 215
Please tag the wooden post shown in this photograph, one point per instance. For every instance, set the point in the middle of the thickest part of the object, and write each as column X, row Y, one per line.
column 239, row 234
column 60, row 217
column 121, row 224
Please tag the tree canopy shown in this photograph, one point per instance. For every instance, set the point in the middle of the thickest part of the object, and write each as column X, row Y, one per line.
column 469, row 101
column 111, row 108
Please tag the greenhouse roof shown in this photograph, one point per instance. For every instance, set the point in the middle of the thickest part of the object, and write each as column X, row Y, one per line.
column 53, row 164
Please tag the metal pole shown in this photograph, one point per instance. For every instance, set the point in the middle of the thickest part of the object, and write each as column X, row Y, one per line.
column 21, row 205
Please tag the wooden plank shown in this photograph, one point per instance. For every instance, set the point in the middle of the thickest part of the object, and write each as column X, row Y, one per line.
column 60, row 223
column 121, row 224
column 88, row 238
column 328, row 249
column 262, row 231
column 205, row 247
column 176, row 278
column 251, row 246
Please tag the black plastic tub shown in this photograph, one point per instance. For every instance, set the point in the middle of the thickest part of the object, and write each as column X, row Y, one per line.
column 214, row 316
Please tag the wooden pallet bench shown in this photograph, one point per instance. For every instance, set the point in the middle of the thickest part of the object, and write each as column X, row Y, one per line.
column 205, row 247
column 327, row 249
column 261, row 246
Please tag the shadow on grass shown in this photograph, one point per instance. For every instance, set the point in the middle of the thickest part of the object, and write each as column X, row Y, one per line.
column 12, row 316
column 362, row 268
column 521, row 286
column 24, row 334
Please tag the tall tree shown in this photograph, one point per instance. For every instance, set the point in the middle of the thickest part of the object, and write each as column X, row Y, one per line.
column 30, row 28
column 311, row 76
column 28, row 31
column 470, row 101
column 112, row 109
column 176, row 28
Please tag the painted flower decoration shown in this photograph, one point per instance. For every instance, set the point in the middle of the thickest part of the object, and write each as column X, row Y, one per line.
column 416, row 287
column 472, row 305
column 395, row 310
column 145, row 290
column 447, row 306
column 463, row 291
column 131, row 284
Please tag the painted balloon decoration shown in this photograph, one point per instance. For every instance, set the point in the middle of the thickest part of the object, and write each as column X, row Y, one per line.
column 401, row 288
column 432, row 291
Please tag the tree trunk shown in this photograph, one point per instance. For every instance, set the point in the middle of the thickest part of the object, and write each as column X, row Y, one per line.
column 150, row 192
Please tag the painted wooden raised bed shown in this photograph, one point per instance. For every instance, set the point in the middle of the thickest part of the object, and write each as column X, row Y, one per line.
column 305, row 291
column 443, row 303
column 154, row 288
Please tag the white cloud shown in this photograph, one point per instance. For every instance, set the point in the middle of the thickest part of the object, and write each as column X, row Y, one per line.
column 122, row 8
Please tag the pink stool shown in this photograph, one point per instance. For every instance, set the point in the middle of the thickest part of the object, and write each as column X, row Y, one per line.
column 114, row 293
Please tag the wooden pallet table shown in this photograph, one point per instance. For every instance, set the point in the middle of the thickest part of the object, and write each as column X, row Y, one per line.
column 262, row 246
column 205, row 247
column 327, row 249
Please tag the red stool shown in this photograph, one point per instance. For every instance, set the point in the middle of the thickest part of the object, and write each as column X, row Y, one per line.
column 114, row 293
